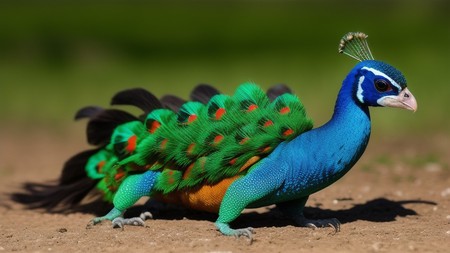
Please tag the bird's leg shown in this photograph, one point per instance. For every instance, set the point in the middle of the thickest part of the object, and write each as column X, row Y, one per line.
column 244, row 191
column 294, row 210
column 130, row 191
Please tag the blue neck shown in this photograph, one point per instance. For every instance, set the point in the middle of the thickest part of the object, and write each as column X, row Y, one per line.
column 323, row 155
column 347, row 134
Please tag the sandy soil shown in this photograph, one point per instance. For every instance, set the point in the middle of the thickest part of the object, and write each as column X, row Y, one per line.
column 396, row 199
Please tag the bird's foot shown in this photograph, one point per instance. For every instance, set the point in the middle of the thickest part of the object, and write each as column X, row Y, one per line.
column 120, row 222
column 116, row 216
column 225, row 229
column 114, row 213
column 333, row 223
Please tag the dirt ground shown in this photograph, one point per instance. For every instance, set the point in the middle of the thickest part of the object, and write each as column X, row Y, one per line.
column 396, row 199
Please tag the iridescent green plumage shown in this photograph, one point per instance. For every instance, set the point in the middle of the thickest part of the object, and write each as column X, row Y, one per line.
column 201, row 143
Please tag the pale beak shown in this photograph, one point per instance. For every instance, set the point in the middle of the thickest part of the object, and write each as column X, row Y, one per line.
column 404, row 100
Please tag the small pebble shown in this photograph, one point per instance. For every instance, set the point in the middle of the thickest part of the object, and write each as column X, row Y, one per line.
column 376, row 246
column 445, row 192
column 399, row 193
column 62, row 230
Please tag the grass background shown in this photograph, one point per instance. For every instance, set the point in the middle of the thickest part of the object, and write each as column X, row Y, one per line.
column 57, row 56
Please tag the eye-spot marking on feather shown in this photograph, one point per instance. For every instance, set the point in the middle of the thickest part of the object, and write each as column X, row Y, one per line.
column 153, row 126
column 113, row 188
column 285, row 110
column 244, row 140
column 233, row 161
column 219, row 113
column 131, row 144
column 119, row 175
column 100, row 166
column 218, row 139
column 288, row 132
column 171, row 179
column 268, row 123
column 163, row 144
column 191, row 118
column 188, row 171
column 190, row 148
column 252, row 107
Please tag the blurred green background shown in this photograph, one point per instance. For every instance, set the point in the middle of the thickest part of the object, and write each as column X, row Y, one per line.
column 57, row 56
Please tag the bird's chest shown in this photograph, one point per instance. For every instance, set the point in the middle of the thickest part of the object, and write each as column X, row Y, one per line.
column 316, row 167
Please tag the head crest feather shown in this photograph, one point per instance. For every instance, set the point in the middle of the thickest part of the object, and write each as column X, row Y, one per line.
column 354, row 44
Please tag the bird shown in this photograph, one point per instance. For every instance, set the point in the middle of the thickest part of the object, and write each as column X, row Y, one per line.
column 224, row 153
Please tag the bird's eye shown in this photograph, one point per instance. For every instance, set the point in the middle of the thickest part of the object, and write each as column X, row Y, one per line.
column 382, row 85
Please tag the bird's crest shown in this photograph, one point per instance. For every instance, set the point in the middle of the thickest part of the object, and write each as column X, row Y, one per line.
column 354, row 44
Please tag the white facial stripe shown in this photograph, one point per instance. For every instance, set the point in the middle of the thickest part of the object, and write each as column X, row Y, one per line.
column 379, row 73
column 359, row 94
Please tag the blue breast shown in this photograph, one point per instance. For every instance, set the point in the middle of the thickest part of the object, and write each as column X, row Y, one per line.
column 321, row 156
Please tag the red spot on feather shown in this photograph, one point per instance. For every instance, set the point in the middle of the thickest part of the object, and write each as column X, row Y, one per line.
column 218, row 139
column 190, row 148
column 155, row 125
column 268, row 123
column 288, row 132
column 131, row 144
column 120, row 174
column 191, row 118
column 163, row 144
column 188, row 171
column 244, row 140
column 285, row 110
column 100, row 166
column 233, row 161
column 219, row 113
column 252, row 107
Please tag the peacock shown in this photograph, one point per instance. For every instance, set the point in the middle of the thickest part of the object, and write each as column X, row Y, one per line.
column 224, row 153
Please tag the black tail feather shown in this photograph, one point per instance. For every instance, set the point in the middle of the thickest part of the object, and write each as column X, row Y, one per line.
column 73, row 169
column 66, row 194
column 172, row 102
column 203, row 93
column 101, row 127
column 55, row 197
column 138, row 97
column 277, row 90
column 88, row 112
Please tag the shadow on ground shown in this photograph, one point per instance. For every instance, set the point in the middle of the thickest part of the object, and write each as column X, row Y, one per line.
column 377, row 210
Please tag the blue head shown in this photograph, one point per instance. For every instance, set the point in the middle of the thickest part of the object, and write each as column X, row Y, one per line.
column 376, row 83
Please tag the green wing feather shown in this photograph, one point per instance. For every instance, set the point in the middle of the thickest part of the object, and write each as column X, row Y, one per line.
column 202, row 143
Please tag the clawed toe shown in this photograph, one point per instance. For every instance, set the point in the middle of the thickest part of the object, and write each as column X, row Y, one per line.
column 247, row 232
column 94, row 222
column 225, row 229
column 314, row 224
column 120, row 222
